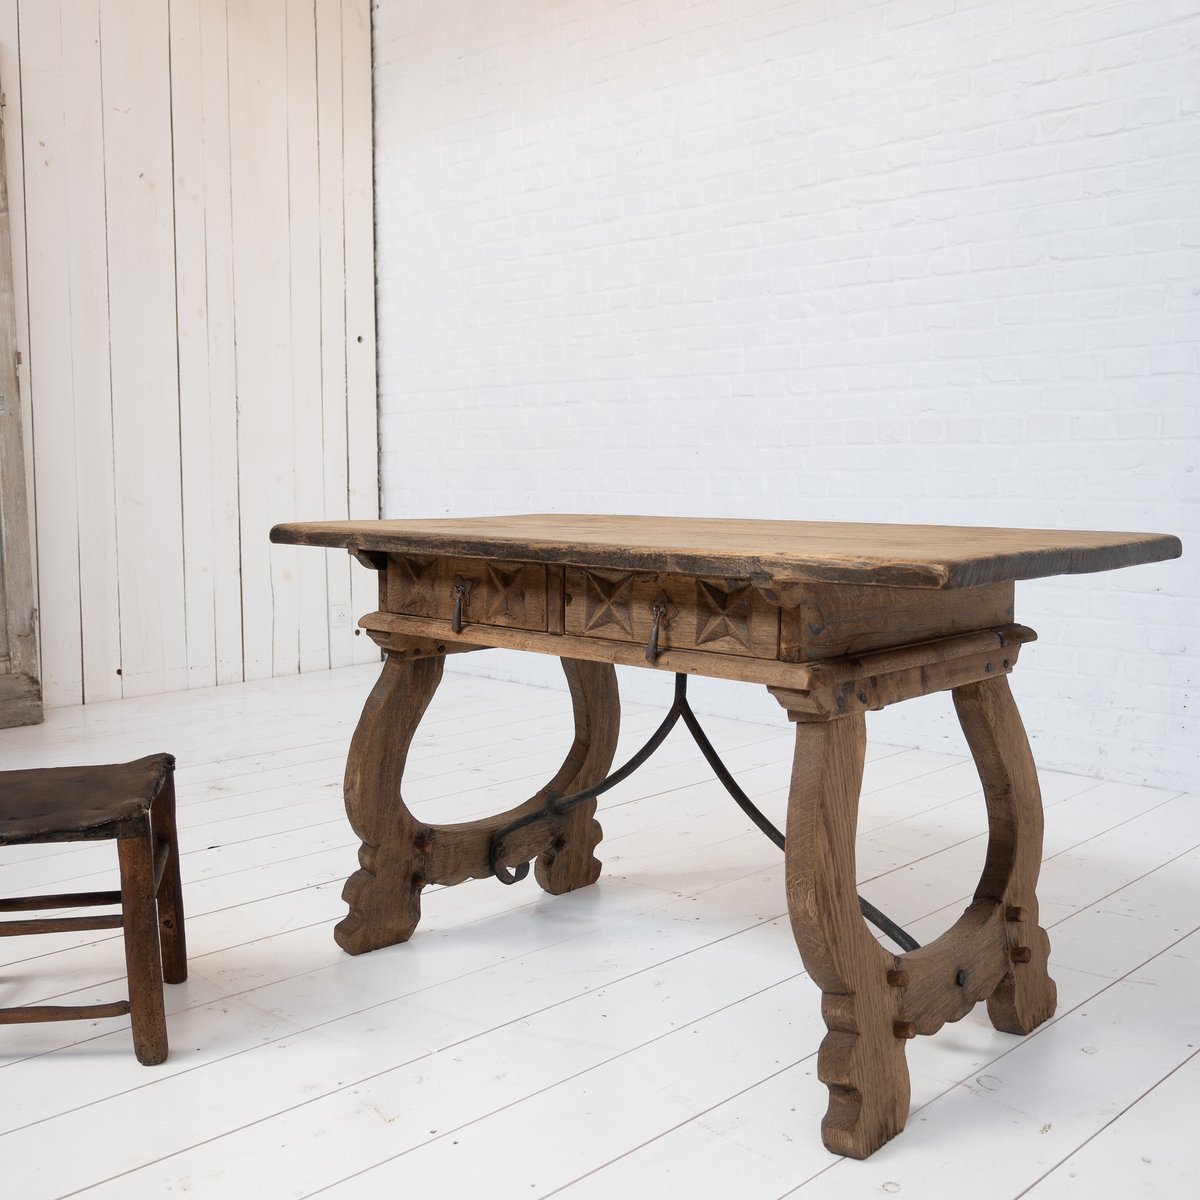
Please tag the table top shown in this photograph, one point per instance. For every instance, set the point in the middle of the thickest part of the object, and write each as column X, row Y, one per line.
column 923, row 556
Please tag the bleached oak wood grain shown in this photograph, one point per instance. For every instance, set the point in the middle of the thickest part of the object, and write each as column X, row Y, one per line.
column 400, row 855
column 924, row 556
column 593, row 588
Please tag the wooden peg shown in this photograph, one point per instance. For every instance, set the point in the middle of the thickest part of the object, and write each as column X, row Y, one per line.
column 1020, row 954
column 897, row 978
column 904, row 1030
column 1014, row 914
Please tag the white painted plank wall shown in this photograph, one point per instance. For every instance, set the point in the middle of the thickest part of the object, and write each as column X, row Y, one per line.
column 197, row 328
column 40, row 76
column 362, row 427
column 140, row 227
column 207, row 373
column 929, row 261
column 11, row 115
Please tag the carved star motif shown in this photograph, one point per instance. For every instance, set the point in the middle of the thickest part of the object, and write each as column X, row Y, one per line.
column 606, row 602
column 503, row 597
column 721, row 614
column 415, row 579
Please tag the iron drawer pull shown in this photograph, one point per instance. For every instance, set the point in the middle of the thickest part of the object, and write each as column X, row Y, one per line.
column 662, row 610
column 462, row 599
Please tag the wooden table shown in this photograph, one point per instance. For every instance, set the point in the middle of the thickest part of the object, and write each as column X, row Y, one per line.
column 835, row 620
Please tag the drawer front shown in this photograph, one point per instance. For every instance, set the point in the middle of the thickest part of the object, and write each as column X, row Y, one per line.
column 724, row 615
column 511, row 595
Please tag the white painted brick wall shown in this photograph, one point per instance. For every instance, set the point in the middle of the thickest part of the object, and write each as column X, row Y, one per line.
column 923, row 260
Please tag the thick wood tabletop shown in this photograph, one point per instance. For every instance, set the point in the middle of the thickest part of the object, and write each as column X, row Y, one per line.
column 925, row 556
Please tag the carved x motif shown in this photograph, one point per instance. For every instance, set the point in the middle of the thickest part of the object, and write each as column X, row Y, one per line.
column 502, row 593
column 721, row 614
column 606, row 602
column 415, row 580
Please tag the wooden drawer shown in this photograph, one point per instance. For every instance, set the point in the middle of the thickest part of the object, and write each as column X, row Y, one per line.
column 727, row 616
column 511, row 595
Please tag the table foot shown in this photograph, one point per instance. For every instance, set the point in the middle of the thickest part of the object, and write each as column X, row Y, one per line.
column 867, row 1077
column 399, row 854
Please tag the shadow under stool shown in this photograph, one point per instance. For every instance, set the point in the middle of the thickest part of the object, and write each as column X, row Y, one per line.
column 132, row 804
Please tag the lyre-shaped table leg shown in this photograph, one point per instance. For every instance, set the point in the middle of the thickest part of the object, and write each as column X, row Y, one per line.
column 400, row 854
column 384, row 894
column 861, row 1058
column 872, row 1000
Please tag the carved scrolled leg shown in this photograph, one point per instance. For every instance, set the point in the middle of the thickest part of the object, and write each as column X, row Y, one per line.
column 1025, row 996
column 862, row 1056
column 571, row 861
column 400, row 855
column 384, row 894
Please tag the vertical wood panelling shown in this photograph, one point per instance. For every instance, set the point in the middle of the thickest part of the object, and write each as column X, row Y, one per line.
column 362, row 420
column 195, row 428
column 10, row 87
column 12, row 443
column 20, row 690
column 222, row 397
column 135, row 60
column 330, row 143
column 192, row 290
column 304, row 306
column 51, row 409
column 259, row 179
column 204, row 291
column 88, row 348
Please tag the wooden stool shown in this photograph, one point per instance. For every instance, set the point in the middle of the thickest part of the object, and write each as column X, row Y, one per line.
column 133, row 804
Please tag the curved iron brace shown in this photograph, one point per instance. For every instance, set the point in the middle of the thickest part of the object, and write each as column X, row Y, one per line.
column 560, row 805
column 680, row 709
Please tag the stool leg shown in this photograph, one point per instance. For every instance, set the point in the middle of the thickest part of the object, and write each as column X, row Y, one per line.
column 170, row 888
column 142, row 959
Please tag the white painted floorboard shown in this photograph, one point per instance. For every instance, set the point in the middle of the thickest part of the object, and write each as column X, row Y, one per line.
column 654, row 1036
